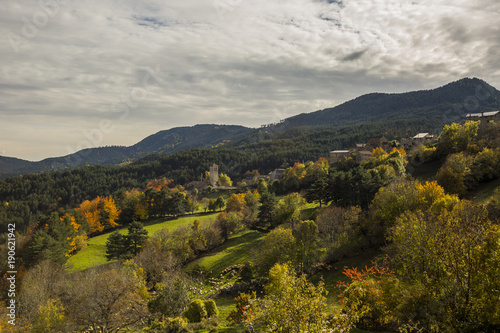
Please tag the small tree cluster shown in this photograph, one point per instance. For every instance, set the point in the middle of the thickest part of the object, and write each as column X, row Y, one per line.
column 291, row 304
column 198, row 310
column 120, row 246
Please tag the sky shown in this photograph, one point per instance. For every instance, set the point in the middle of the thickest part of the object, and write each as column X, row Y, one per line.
column 87, row 73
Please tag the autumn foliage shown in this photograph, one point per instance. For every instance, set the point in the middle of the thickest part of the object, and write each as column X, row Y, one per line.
column 101, row 213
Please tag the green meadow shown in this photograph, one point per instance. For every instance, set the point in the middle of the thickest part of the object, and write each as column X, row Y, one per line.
column 95, row 252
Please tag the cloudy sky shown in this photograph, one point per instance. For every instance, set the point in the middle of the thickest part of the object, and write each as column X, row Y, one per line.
column 75, row 73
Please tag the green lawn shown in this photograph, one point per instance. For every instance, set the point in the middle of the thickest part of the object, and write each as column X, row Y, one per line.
column 236, row 250
column 95, row 252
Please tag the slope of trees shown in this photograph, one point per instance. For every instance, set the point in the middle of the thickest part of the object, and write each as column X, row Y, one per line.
column 439, row 275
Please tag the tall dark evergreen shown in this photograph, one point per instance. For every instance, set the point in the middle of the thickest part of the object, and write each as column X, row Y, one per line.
column 116, row 246
column 45, row 247
column 265, row 215
column 318, row 191
column 136, row 237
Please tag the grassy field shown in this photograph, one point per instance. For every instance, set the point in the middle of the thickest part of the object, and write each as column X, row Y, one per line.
column 236, row 250
column 225, row 306
column 95, row 252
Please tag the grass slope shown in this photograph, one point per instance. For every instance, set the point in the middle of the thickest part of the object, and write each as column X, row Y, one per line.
column 95, row 252
column 236, row 250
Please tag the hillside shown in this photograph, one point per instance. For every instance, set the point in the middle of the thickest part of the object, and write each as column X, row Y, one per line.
column 164, row 142
column 182, row 138
column 267, row 237
column 395, row 115
column 9, row 165
column 455, row 100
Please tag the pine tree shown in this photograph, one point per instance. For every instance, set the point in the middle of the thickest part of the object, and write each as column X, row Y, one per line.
column 265, row 216
column 136, row 237
column 116, row 246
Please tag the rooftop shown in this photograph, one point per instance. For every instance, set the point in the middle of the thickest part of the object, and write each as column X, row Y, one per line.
column 421, row 135
column 482, row 114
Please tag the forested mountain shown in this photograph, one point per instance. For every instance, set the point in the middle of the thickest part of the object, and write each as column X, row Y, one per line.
column 394, row 115
column 168, row 141
column 11, row 164
column 182, row 138
column 450, row 101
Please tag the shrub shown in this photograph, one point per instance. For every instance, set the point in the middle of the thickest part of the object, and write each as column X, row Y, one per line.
column 211, row 308
column 169, row 325
column 246, row 273
column 243, row 312
column 171, row 297
column 196, row 311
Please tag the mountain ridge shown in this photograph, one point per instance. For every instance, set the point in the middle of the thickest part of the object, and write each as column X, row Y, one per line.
column 438, row 106
column 454, row 96
column 162, row 142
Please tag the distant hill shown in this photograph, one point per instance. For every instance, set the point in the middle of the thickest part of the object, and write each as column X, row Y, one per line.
column 444, row 105
column 182, row 138
column 163, row 142
column 9, row 165
column 395, row 115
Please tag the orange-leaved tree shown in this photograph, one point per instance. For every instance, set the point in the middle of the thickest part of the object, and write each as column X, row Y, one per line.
column 100, row 213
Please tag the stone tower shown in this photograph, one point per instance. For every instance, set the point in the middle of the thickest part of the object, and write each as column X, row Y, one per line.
column 214, row 174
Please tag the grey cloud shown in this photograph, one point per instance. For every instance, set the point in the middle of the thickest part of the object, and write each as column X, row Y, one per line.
column 244, row 63
column 354, row 56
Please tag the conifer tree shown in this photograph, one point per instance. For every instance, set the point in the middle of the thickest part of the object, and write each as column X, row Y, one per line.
column 136, row 237
column 115, row 246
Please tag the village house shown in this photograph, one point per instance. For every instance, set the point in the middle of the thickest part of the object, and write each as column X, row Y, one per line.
column 377, row 141
column 251, row 179
column 422, row 138
column 276, row 174
column 484, row 118
column 362, row 151
column 338, row 155
column 363, row 156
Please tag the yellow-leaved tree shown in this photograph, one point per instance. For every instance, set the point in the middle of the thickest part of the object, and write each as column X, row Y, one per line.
column 78, row 236
column 109, row 213
column 100, row 213
column 90, row 212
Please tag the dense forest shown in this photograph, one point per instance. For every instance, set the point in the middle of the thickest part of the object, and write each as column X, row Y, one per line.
column 436, row 270
column 35, row 194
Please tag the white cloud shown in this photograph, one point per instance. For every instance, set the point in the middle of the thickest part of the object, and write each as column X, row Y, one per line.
column 220, row 61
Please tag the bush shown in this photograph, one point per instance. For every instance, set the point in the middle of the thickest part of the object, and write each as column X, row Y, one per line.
column 196, row 311
column 211, row 308
column 228, row 223
column 171, row 297
column 246, row 273
column 169, row 325
column 494, row 206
